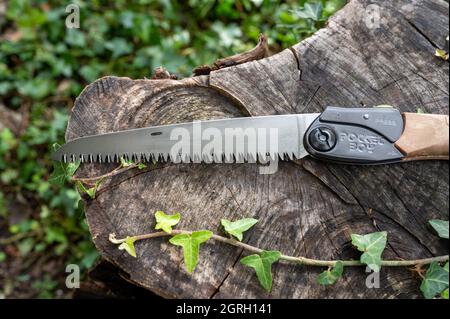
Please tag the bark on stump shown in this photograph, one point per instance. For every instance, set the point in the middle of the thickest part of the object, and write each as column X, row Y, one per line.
column 370, row 53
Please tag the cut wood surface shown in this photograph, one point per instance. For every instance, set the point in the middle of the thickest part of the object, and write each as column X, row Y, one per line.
column 370, row 53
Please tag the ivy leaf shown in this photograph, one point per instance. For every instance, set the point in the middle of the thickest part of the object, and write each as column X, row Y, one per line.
column 119, row 47
column 329, row 277
column 62, row 172
column 373, row 246
column 238, row 227
column 91, row 71
column 165, row 222
column 435, row 281
column 90, row 191
column 141, row 165
column 262, row 264
column 125, row 163
column 441, row 227
column 8, row 140
column 441, row 54
column 128, row 246
column 83, row 189
column 191, row 246
column 310, row 11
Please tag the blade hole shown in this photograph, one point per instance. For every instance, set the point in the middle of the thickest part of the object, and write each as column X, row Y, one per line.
column 156, row 133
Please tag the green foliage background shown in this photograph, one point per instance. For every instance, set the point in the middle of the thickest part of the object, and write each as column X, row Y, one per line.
column 44, row 66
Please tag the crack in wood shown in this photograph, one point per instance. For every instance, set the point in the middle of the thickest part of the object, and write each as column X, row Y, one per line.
column 422, row 33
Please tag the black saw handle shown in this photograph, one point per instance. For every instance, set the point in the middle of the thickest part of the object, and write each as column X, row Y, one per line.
column 377, row 135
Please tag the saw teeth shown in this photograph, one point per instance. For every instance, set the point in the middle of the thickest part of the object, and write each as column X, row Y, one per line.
column 206, row 158
column 213, row 157
column 197, row 158
column 217, row 158
column 228, row 158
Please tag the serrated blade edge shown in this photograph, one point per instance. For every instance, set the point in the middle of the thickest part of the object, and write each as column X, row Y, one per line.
column 249, row 139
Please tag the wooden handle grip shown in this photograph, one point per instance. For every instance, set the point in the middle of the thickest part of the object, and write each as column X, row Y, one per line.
column 425, row 136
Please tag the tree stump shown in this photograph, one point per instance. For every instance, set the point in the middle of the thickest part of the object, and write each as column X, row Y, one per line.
column 370, row 53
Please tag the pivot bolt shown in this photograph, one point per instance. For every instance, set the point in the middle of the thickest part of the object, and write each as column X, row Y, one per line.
column 322, row 139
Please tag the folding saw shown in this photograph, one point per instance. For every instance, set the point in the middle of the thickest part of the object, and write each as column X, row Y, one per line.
column 344, row 135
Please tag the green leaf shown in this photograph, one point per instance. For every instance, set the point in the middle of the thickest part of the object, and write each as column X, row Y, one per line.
column 128, row 246
column 62, row 172
column 238, row 227
column 441, row 227
column 25, row 246
column 91, row 71
column 5, row 87
column 332, row 6
column 444, row 294
column 2, row 256
column 125, row 163
column 89, row 258
column 75, row 37
column 441, row 54
column 36, row 88
column 372, row 245
column 8, row 140
column 329, row 277
column 435, row 281
column 119, row 47
column 9, row 175
column 262, row 264
column 310, row 11
column 141, row 165
column 191, row 246
column 55, row 234
column 165, row 222
column 90, row 191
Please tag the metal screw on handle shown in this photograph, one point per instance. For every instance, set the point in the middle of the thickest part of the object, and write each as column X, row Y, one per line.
column 322, row 139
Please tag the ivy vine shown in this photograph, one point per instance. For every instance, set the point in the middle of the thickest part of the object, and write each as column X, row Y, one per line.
column 435, row 281
column 435, row 278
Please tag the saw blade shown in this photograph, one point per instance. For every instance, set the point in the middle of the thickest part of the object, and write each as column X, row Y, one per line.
column 247, row 139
